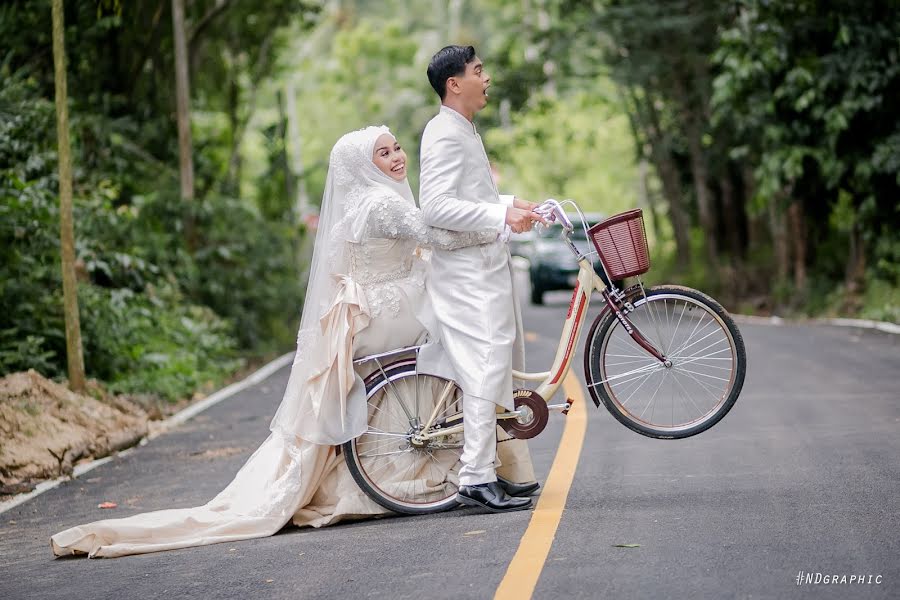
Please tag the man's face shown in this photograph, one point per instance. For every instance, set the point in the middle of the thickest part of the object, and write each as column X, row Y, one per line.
column 472, row 85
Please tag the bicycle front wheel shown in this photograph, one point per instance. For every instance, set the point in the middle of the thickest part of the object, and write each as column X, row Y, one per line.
column 707, row 355
column 393, row 469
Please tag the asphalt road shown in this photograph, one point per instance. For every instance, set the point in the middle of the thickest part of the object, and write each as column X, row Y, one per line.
column 802, row 475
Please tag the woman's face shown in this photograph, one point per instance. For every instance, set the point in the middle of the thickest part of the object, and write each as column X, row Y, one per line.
column 389, row 157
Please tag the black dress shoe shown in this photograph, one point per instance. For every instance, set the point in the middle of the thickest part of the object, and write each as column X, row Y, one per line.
column 491, row 497
column 518, row 489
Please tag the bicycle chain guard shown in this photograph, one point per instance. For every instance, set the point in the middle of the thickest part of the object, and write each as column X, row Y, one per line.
column 537, row 415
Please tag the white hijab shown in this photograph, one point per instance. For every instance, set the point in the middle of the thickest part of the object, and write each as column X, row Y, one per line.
column 334, row 308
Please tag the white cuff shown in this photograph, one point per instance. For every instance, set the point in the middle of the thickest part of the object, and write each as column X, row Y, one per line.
column 507, row 199
column 500, row 219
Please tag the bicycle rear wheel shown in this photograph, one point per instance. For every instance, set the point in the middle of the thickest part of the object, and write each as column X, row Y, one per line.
column 708, row 364
column 396, row 473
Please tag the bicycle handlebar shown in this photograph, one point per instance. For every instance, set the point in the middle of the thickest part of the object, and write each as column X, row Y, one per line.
column 552, row 211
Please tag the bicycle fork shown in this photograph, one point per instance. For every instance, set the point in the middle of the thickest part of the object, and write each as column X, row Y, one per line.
column 631, row 328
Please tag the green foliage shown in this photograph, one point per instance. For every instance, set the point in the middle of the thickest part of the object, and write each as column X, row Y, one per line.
column 160, row 313
column 575, row 147
column 881, row 300
column 244, row 270
column 154, row 341
column 355, row 73
column 813, row 93
column 810, row 89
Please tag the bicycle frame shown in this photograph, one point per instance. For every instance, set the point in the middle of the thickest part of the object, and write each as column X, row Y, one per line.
column 587, row 282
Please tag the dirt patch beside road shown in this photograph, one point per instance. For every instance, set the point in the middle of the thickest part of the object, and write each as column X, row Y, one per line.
column 45, row 428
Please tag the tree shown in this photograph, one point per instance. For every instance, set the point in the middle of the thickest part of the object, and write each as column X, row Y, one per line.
column 183, row 95
column 809, row 89
column 67, row 234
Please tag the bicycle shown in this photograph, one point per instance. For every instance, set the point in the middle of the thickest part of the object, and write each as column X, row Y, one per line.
column 641, row 340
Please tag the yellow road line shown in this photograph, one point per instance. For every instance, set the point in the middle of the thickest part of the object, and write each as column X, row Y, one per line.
column 525, row 568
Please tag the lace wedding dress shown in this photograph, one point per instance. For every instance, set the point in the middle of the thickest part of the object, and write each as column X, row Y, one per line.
column 375, row 301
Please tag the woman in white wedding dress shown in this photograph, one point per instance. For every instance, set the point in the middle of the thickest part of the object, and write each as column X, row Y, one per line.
column 365, row 295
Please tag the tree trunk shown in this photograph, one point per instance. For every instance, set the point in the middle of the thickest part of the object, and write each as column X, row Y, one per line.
column 798, row 244
column 856, row 261
column 779, row 241
column 232, row 176
column 732, row 217
column 705, row 200
column 145, row 51
column 239, row 125
column 648, row 199
column 295, row 152
column 281, row 134
column 66, row 229
column 668, row 174
column 733, row 237
column 183, row 95
column 756, row 223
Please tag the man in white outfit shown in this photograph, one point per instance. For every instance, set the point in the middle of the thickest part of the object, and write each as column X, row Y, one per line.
column 472, row 288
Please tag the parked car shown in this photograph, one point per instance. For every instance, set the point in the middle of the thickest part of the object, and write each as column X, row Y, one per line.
column 520, row 244
column 552, row 265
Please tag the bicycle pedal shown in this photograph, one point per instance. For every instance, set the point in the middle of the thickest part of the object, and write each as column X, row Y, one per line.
column 569, row 403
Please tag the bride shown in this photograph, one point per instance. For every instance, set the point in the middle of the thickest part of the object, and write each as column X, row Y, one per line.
column 365, row 295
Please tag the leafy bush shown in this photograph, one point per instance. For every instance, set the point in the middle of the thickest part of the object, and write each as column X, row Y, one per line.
column 154, row 341
column 163, row 310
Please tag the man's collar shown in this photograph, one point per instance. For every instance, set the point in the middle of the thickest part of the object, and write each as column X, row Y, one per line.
column 458, row 118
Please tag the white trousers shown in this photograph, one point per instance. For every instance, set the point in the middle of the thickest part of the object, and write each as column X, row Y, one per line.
column 480, row 446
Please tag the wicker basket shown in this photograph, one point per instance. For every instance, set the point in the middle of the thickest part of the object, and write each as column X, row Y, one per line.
column 622, row 244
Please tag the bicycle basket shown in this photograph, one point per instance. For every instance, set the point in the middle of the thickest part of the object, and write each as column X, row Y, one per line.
column 622, row 244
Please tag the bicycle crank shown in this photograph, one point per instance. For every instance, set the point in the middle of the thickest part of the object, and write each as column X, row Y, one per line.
column 531, row 415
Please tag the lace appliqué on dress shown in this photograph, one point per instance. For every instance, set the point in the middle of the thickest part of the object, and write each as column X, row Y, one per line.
column 392, row 218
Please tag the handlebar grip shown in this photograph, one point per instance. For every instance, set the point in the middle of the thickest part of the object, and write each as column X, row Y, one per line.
column 562, row 217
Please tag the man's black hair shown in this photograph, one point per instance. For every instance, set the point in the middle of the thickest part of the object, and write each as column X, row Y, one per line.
column 448, row 62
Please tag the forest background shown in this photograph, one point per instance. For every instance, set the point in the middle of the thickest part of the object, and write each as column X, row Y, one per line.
column 761, row 137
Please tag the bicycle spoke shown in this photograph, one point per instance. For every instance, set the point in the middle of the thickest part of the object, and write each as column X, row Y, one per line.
column 651, row 367
column 635, row 390
column 675, row 333
column 626, row 362
column 661, row 380
column 370, row 455
column 704, row 349
column 393, row 412
column 385, row 433
column 688, row 396
column 405, row 474
column 706, row 357
column 694, row 343
column 393, row 388
column 681, row 369
column 691, row 335
column 698, row 362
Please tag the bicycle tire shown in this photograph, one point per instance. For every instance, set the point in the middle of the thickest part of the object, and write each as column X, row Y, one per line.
column 363, row 471
column 598, row 377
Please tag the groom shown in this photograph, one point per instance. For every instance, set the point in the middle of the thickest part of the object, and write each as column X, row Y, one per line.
column 471, row 288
